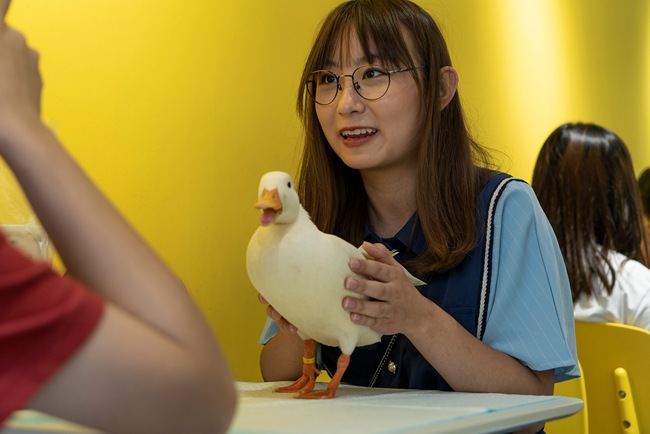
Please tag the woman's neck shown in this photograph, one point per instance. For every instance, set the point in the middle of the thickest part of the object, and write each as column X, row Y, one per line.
column 391, row 202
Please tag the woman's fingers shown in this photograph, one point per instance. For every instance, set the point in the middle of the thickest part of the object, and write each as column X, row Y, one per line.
column 4, row 6
column 280, row 320
column 382, row 267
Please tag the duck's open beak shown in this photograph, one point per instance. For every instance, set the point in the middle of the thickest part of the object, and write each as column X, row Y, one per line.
column 271, row 206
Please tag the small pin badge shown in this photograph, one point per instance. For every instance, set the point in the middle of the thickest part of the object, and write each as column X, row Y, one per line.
column 392, row 367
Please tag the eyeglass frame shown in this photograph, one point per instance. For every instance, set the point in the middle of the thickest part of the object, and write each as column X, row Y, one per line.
column 355, row 85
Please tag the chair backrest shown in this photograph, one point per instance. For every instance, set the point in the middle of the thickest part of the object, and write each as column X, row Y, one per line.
column 30, row 239
column 577, row 423
column 615, row 360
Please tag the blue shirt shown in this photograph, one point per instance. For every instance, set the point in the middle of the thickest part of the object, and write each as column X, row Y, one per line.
column 530, row 309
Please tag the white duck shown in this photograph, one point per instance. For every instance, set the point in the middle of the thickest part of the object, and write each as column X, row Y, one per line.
column 300, row 271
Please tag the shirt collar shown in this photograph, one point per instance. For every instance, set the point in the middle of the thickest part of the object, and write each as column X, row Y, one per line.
column 401, row 240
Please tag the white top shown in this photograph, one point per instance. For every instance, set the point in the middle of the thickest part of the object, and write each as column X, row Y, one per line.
column 629, row 302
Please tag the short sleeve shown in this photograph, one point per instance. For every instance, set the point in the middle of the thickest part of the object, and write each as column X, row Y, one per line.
column 270, row 329
column 44, row 319
column 530, row 310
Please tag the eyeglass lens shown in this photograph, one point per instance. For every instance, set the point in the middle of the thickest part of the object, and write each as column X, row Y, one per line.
column 370, row 82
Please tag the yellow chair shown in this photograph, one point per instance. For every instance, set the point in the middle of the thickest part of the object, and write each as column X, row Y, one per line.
column 615, row 360
column 577, row 423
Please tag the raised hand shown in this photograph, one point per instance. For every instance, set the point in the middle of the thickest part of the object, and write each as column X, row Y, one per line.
column 20, row 80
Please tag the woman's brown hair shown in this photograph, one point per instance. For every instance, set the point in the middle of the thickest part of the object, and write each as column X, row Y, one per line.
column 448, row 180
column 585, row 182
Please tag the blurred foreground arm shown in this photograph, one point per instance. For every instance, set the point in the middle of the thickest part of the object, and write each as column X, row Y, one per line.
column 152, row 364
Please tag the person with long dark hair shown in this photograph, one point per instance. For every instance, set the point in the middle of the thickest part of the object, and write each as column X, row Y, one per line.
column 644, row 188
column 584, row 179
column 389, row 162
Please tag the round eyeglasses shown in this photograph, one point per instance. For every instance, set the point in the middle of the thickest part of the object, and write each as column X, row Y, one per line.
column 369, row 81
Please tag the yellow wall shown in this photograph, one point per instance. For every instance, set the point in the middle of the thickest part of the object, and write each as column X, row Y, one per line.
column 176, row 108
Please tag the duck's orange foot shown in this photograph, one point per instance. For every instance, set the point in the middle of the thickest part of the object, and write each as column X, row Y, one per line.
column 328, row 393
column 304, row 384
column 333, row 385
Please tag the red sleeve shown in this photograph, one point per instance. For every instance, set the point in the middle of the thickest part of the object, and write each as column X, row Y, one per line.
column 44, row 319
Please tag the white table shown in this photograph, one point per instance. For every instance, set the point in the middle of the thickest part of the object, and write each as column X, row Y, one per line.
column 358, row 410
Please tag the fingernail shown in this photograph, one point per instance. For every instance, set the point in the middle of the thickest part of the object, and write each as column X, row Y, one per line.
column 349, row 303
column 355, row 264
column 351, row 283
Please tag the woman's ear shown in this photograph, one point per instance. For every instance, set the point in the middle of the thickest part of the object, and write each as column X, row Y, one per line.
column 448, row 84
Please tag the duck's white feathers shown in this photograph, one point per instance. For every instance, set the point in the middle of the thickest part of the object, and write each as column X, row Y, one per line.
column 300, row 271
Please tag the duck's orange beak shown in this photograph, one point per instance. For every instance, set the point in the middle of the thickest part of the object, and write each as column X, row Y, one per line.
column 269, row 199
column 271, row 205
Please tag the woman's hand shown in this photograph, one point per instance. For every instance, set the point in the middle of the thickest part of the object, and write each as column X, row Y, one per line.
column 20, row 80
column 395, row 305
column 275, row 316
column 281, row 357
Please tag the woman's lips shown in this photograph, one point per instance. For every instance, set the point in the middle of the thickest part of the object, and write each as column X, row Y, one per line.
column 353, row 137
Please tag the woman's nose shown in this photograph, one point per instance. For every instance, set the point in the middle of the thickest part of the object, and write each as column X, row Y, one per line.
column 349, row 99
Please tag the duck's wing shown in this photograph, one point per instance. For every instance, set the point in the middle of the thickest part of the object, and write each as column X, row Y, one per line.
column 414, row 280
column 354, row 252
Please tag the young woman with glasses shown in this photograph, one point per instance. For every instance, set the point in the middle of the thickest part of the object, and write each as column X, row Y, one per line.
column 388, row 160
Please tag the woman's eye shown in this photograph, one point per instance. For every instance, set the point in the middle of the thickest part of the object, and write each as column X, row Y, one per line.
column 373, row 73
column 326, row 78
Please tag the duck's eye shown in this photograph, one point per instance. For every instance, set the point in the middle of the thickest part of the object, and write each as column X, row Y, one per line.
column 289, row 184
